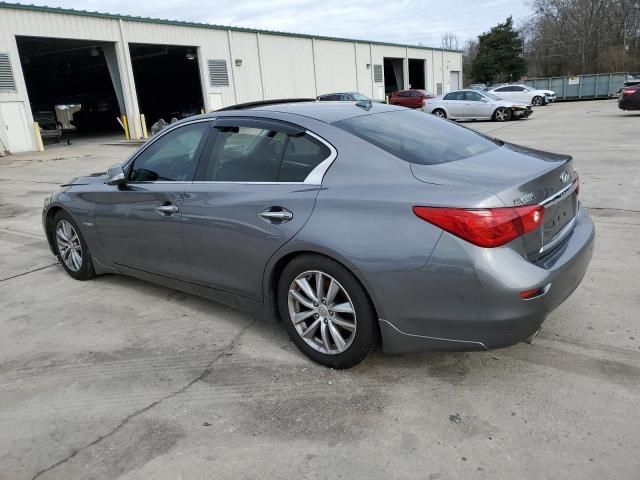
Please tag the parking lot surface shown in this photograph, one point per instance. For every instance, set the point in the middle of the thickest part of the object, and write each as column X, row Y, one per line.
column 117, row 378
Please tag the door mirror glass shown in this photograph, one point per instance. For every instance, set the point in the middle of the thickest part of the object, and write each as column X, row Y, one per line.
column 115, row 175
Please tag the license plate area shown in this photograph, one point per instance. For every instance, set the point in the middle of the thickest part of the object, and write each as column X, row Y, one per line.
column 557, row 217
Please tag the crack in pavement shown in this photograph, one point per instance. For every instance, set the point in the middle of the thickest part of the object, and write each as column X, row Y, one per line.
column 613, row 209
column 27, row 273
column 207, row 370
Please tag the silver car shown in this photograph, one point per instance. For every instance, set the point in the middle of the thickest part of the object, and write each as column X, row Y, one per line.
column 354, row 223
column 475, row 105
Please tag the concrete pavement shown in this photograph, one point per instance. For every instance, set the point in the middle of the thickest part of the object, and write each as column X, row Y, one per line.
column 117, row 378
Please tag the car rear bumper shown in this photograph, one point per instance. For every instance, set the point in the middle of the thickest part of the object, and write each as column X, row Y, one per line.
column 467, row 298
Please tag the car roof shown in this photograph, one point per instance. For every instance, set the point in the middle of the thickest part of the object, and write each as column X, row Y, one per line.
column 328, row 112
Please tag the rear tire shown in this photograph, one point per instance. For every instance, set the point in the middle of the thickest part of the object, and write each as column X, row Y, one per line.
column 71, row 249
column 336, row 323
column 537, row 101
column 502, row 114
column 438, row 112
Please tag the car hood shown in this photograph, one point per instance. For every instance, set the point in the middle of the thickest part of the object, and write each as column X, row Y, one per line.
column 87, row 180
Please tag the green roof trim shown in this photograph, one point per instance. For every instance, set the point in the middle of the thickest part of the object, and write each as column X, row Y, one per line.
column 130, row 18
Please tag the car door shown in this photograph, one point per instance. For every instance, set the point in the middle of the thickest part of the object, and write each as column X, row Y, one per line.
column 477, row 105
column 454, row 102
column 254, row 193
column 140, row 222
column 520, row 94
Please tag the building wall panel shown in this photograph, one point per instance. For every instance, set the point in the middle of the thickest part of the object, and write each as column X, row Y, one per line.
column 247, row 77
column 335, row 66
column 287, row 67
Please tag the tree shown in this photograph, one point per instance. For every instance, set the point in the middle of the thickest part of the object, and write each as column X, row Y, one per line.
column 469, row 54
column 500, row 55
column 449, row 41
column 568, row 37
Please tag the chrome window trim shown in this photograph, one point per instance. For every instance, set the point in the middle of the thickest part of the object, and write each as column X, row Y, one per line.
column 316, row 175
column 314, row 178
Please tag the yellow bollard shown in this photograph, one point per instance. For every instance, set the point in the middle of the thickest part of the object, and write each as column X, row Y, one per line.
column 126, row 127
column 143, row 121
column 36, row 132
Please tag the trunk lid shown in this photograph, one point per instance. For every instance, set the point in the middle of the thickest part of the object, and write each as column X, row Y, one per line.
column 517, row 176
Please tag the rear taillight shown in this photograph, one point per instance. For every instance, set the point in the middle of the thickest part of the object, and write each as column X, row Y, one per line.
column 488, row 227
column 628, row 91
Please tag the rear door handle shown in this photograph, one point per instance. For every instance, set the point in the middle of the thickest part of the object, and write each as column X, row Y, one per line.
column 276, row 215
column 167, row 209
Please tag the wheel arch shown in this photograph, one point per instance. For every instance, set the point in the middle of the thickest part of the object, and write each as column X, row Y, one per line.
column 278, row 263
column 48, row 223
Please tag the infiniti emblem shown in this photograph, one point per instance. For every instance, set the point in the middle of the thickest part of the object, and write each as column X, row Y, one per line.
column 564, row 177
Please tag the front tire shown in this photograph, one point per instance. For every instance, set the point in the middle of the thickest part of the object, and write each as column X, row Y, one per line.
column 71, row 249
column 537, row 101
column 438, row 112
column 326, row 312
column 502, row 114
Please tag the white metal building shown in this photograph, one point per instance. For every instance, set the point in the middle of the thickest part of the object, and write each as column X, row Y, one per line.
column 50, row 56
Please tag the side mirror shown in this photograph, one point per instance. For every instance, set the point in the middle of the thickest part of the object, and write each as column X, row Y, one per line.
column 115, row 175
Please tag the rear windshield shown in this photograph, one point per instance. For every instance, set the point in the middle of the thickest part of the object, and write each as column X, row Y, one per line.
column 418, row 137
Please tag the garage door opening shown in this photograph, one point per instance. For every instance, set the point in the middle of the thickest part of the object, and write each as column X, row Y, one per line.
column 73, row 86
column 393, row 75
column 167, row 81
column 416, row 73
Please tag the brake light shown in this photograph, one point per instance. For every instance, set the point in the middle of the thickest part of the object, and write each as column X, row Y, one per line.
column 628, row 91
column 489, row 227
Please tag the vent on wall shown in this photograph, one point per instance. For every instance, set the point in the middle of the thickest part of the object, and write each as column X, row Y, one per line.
column 377, row 74
column 218, row 74
column 7, row 82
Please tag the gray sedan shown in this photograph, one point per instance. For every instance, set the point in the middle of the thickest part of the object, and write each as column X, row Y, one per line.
column 475, row 105
column 354, row 223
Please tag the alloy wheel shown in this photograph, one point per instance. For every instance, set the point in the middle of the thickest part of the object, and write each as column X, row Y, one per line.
column 502, row 114
column 439, row 113
column 69, row 245
column 537, row 101
column 322, row 312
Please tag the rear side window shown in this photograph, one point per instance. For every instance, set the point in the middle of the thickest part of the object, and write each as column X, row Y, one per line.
column 418, row 137
column 246, row 154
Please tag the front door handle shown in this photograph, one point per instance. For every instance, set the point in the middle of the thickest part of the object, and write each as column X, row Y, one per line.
column 167, row 209
column 276, row 215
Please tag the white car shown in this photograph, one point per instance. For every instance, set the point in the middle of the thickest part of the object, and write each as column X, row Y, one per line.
column 524, row 93
column 475, row 105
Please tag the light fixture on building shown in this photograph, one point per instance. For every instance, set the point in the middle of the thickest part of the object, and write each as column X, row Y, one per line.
column 94, row 52
column 190, row 55
column 238, row 62
column 368, row 66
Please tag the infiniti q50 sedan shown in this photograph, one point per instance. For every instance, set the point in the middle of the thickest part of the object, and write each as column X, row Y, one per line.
column 355, row 223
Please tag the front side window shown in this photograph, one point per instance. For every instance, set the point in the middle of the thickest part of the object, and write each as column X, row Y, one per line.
column 418, row 138
column 454, row 96
column 172, row 157
column 246, row 154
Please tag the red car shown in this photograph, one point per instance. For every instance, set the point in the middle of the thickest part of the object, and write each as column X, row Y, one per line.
column 412, row 98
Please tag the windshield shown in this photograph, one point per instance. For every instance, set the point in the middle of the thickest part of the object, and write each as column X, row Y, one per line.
column 358, row 96
column 418, row 137
column 491, row 96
